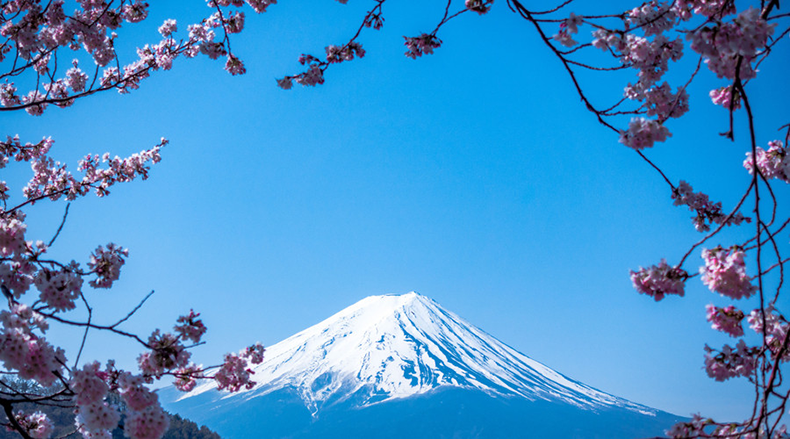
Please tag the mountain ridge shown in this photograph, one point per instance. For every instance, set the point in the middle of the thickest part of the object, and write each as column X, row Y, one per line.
column 397, row 351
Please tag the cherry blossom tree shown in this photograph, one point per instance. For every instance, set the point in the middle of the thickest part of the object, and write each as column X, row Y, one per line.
column 42, row 46
column 726, row 40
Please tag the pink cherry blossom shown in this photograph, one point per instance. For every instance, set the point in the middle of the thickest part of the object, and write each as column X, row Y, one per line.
column 724, row 96
column 725, row 272
column 730, row 363
column 168, row 27
column 135, row 394
column 479, row 6
column 285, row 83
column 643, row 133
column 661, row 102
column 17, row 276
column 235, row 66
column 12, row 236
column 260, row 5
column 685, row 430
column 726, row 319
column 313, row 76
column 167, row 353
column 150, row 423
column 254, row 353
column 774, row 163
column 37, row 425
column 776, row 329
column 722, row 45
column 707, row 212
column 106, row 264
column 652, row 17
column 185, row 377
column 564, row 38
column 189, row 327
column 59, row 289
column 89, row 385
column 98, row 416
column 659, row 280
column 422, row 45
column 234, row 374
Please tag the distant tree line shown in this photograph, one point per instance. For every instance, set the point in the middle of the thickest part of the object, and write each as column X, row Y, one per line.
column 62, row 417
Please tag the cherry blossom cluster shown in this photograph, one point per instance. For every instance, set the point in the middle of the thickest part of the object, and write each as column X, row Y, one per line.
column 727, row 319
column 186, row 377
column 52, row 180
column 653, row 17
column 167, row 353
column 12, row 148
column 723, row 44
column 727, row 45
column 773, row 323
column 422, row 45
column 145, row 418
column 254, row 353
column 30, row 355
column 37, row 425
column 776, row 329
column 715, row 9
column 659, row 280
column 59, row 288
column 661, row 102
column 695, row 428
column 728, row 97
column 39, row 33
column 16, row 277
column 707, row 212
column 96, row 417
column 106, row 264
column 732, row 42
column 479, row 6
column 706, row 427
column 568, row 28
column 773, row 163
column 235, row 373
column 315, row 66
column 314, row 75
column 650, row 57
column 189, row 327
column 335, row 54
column 730, row 363
column 725, row 272
column 12, row 237
column 643, row 133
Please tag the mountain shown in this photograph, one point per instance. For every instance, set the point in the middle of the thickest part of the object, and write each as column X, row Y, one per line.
column 394, row 366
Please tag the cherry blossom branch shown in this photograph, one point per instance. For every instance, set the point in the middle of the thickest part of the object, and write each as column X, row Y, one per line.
column 85, row 333
column 8, row 409
column 718, row 229
column 134, row 310
column 62, row 223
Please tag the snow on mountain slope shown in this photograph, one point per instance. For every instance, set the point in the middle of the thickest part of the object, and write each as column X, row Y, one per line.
column 388, row 347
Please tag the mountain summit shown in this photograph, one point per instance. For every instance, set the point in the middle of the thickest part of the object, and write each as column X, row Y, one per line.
column 397, row 351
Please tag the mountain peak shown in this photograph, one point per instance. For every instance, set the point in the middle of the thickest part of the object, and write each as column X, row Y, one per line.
column 396, row 346
column 396, row 366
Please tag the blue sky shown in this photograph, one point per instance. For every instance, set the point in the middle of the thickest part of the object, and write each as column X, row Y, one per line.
column 473, row 176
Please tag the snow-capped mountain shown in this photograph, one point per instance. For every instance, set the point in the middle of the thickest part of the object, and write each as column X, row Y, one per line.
column 400, row 348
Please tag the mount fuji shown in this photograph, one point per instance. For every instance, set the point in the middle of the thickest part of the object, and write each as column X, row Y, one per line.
column 402, row 366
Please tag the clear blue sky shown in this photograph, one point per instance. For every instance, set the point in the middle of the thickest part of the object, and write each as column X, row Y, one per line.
column 473, row 176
